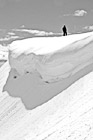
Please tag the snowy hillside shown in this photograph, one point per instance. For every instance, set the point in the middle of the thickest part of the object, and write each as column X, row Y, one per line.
column 46, row 89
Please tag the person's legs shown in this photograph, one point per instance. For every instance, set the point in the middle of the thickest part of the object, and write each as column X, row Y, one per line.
column 64, row 33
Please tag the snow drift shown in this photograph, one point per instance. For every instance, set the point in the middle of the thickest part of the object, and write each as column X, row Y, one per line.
column 56, row 87
column 37, row 77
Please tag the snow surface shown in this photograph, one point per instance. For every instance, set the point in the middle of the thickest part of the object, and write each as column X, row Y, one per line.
column 66, row 116
column 44, row 45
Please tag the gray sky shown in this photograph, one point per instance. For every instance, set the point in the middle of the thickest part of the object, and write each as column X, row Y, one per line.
column 48, row 15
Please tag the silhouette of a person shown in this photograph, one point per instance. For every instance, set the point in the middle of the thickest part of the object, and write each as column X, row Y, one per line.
column 64, row 30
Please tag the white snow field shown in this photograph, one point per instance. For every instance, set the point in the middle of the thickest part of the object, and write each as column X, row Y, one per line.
column 46, row 89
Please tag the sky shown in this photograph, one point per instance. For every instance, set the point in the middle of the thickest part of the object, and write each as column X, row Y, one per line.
column 47, row 15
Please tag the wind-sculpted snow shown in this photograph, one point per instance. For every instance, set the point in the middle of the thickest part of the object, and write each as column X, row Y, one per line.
column 45, row 45
column 38, row 78
column 56, row 87
column 58, row 65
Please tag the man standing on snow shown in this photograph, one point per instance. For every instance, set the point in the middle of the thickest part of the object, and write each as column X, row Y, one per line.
column 64, row 30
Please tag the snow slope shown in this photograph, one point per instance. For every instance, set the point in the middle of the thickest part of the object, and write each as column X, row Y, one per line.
column 3, row 55
column 44, row 45
column 62, row 108
column 68, row 116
